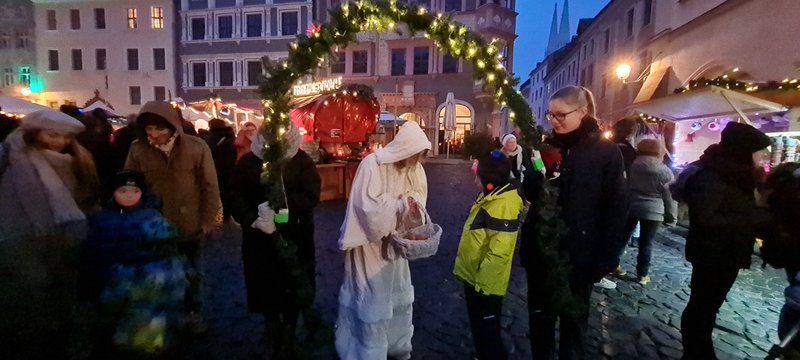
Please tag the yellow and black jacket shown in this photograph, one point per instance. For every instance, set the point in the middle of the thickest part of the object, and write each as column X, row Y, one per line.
column 488, row 240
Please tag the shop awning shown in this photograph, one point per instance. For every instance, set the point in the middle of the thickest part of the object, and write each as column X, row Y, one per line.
column 652, row 82
column 708, row 102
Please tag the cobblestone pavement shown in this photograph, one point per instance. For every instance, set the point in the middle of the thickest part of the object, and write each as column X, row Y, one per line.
column 627, row 323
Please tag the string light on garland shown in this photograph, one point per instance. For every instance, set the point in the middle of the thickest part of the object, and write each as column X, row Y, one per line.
column 725, row 81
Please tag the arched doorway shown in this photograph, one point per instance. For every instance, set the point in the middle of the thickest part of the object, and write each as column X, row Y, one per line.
column 465, row 120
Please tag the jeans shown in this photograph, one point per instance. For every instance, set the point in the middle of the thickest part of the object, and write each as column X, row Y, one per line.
column 193, row 250
column 710, row 284
column 484, row 320
column 648, row 231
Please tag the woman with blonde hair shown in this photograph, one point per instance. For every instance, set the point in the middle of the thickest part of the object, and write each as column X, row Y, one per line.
column 592, row 197
column 48, row 185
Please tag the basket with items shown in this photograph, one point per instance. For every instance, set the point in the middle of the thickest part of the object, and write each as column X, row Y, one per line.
column 420, row 241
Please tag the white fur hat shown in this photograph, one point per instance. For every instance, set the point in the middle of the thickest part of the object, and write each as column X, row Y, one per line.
column 507, row 138
column 52, row 120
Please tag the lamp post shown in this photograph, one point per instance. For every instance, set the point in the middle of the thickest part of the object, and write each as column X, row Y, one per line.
column 623, row 72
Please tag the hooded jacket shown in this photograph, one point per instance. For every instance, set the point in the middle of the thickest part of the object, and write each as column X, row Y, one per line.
column 186, row 180
column 487, row 241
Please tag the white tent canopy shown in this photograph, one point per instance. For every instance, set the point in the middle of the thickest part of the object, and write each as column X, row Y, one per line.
column 708, row 102
column 100, row 105
column 14, row 105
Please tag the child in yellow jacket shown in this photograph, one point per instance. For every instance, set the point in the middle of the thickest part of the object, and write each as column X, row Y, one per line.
column 486, row 250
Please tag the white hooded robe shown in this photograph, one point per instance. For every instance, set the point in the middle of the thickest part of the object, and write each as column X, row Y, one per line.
column 376, row 294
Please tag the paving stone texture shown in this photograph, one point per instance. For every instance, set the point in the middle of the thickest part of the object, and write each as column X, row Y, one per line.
column 629, row 322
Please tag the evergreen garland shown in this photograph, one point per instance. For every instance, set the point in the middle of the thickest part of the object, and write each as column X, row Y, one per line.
column 317, row 49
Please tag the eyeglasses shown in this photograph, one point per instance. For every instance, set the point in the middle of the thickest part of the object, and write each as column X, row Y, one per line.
column 559, row 117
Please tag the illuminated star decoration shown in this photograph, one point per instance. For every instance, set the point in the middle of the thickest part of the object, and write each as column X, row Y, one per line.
column 314, row 30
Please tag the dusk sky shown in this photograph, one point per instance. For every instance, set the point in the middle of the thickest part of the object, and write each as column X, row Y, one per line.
column 533, row 28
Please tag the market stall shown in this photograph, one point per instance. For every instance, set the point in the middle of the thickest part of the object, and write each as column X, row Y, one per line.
column 336, row 122
column 17, row 107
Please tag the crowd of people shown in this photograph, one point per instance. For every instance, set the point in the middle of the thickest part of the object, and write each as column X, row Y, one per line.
column 113, row 224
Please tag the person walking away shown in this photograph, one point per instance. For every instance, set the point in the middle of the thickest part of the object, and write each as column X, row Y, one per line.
column 221, row 141
column 129, row 244
column 485, row 253
column 375, row 300
column 782, row 249
column 724, row 221
column 244, row 139
column 518, row 158
column 648, row 180
column 48, row 187
column 271, row 290
column 622, row 134
column 179, row 169
column 592, row 197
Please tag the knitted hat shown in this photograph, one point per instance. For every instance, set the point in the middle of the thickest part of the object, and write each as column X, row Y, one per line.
column 506, row 138
column 743, row 138
column 648, row 147
column 129, row 178
column 52, row 120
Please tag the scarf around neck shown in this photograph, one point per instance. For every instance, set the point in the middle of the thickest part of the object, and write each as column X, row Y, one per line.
column 165, row 148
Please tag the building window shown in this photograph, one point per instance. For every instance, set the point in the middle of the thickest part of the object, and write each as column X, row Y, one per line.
column 8, row 76
column 452, row 5
column 583, row 77
column 52, row 60
column 648, row 12
column 590, row 75
column 254, row 72
column 51, row 19
column 199, row 74
column 591, row 47
column 5, row 40
column 254, row 25
column 225, row 73
column 132, row 18
column 606, row 41
column 630, row 23
column 99, row 18
column 157, row 13
column 159, row 59
column 421, row 55
column 449, row 64
column 225, row 27
column 603, row 85
column 398, row 62
column 74, row 19
column 341, row 63
column 25, row 75
column 135, row 93
column 289, row 23
column 77, row 59
column 100, row 59
column 360, row 62
column 159, row 93
column 23, row 40
column 198, row 28
column 133, row 59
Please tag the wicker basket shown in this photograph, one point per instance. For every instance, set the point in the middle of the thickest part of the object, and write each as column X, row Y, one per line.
column 418, row 249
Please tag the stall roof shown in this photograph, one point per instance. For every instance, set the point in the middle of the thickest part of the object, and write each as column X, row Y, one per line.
column 707, row 102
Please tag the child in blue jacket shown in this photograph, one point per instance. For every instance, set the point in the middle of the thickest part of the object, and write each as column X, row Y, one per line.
column 131, row 270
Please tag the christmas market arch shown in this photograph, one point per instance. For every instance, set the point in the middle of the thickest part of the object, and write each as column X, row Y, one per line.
column 315, row 49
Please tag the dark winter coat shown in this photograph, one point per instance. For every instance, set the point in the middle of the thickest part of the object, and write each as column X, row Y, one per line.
column 593, row 200
column 120, row 236
column 223, row 150
column 722, row 211
column 265, row 271
column 628, row 153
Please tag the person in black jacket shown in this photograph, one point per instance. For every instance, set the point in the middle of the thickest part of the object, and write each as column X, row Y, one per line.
column 592, row 196
column 221, row 140
column 724, row 223
column 622, row 132
column 270, row 290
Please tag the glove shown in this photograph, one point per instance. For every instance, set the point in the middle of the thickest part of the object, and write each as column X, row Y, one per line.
column 266, row 219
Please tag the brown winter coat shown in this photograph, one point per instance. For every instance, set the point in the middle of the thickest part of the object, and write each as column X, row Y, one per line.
column 186, row 181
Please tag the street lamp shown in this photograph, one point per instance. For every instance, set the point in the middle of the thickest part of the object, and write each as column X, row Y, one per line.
column 623, row 72
column 25, row 91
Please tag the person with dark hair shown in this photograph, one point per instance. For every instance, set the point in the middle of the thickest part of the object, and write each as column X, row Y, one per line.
column 621, row 134
column 221, row 140
column 7, row 125
column 725, row 221
column 180, row 169
column 593, row 200
column 48, row 187
column 97, row 139
column 486, row 250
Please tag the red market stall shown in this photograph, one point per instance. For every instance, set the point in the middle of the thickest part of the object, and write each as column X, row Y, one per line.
column 338, row 123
